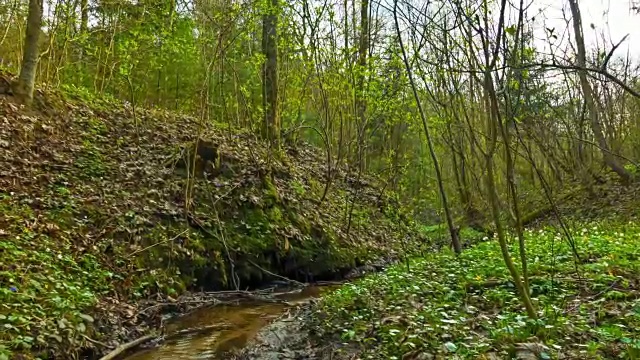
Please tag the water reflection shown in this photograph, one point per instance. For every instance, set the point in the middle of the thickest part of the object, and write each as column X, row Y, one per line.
column 243, row 323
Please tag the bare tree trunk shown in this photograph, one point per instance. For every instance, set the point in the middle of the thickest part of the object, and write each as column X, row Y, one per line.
column 609, row 159
column 23, row 87
column 493, row 121
column 455, row 240
column 271, row 128
column 360, row 102
column 84, row 16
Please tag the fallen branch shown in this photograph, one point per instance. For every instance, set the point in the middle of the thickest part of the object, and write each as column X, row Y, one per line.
column 213, row 298
column 330, row 283
column 296, row 291
column 94, row 341
column 278, row 276
column 124, row 347
column 258, row 296
column 541, row 212
column 178, row 303
column 156, row 244
column 230, row 293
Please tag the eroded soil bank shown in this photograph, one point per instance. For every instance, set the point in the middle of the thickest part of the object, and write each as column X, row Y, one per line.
column 99, row 215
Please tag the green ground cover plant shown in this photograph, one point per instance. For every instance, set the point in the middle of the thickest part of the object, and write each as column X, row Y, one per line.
column 466, row 306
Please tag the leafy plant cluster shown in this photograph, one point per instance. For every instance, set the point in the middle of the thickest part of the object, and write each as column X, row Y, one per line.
column 46, row 288
column 466, row 306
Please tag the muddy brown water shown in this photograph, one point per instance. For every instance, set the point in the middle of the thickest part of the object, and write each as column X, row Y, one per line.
column 242, row 322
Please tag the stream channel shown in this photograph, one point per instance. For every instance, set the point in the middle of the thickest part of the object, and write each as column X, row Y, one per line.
column 241, row 323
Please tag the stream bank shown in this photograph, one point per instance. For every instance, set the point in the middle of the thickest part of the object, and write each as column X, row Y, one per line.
column 97, row 214
column 238, row 324
column 228, row 327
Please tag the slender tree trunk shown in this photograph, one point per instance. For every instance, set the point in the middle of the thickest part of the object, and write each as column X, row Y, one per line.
column 23, row 88
column 84, row 16
column 455, row 241
column 495, row 212
column 493, row 121
column 609, row 159
column 271, row 128
column 360, row 101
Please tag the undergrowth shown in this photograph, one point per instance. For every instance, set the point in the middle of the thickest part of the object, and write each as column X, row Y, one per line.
column 97, row 214
column 466, row 307
column 46, row 289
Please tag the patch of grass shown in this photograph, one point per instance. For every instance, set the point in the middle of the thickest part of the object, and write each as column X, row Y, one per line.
column 467, row 307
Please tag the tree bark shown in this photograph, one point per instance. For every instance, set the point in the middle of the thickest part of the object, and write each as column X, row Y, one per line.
column 271, row 128
column 492, row 128
column 493, row 121
column 596, row 126
column 23, row 87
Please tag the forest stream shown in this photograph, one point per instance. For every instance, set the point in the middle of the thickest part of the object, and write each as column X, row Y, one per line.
column 238, row 325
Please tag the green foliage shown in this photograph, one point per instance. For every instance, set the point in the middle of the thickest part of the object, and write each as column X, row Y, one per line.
column 46, row 289
column 468, row 302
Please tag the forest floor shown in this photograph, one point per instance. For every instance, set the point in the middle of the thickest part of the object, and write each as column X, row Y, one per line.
column 100, row 220
column 99, row 223
column 442, row 306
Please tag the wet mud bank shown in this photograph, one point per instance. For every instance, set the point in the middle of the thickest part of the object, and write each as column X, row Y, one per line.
column 289, row 337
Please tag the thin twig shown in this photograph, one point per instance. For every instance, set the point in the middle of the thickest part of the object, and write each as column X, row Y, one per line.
column 94, row 341
column 183, row 332
column 186, row 302
column 156, row 244
column 573, row 308
column 276, row 275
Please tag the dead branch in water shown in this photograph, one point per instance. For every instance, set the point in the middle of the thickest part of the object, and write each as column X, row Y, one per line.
column 124, row 347
column 278, row 276
column 220, row 297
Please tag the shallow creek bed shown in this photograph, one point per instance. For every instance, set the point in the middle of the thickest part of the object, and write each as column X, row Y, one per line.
column 253, row 328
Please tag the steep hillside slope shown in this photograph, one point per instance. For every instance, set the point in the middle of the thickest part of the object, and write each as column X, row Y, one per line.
column 97, row 207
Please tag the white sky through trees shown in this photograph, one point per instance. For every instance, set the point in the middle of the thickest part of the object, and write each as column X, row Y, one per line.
column 611, row 19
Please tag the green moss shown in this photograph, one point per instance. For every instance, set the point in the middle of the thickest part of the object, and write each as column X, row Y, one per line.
column 300, row 222
column 298, row 187
column 274, row 216
column 315, row 187
column 97, row 126
column 270, row 192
